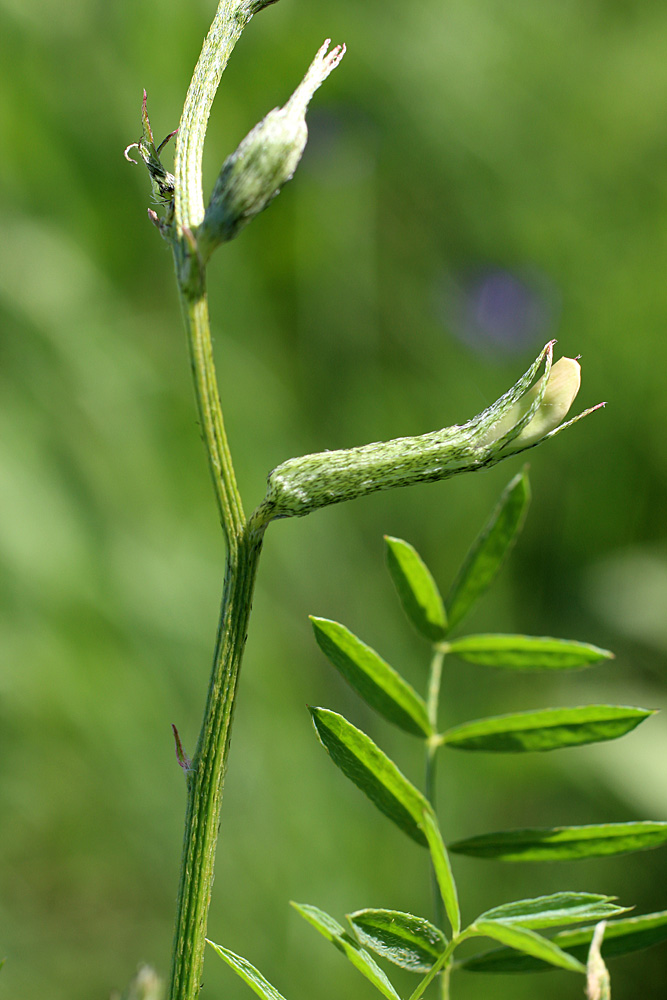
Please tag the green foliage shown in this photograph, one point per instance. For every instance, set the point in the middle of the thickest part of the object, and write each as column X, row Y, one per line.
column 417, row 590
column 402, row 938
column 525, row 652
column 489, row 550
column 339, row 937
column 248, row 973
column 565, row 843
column 372, row 771
column 621, row 938
column 527, row 942
column 555, row 910
column 377, row 683
column 546, row 730
column 411, row 941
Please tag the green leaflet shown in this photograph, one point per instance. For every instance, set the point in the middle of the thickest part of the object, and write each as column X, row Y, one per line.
column 555, row 910
column 564, row 843
column 417, row 590
column 548, row 729
column 402, row 938
column 332, row 931
column 248, row 973
column 489, row 550
column 528, row 942
column 442, row 869
column 621, row 937
column 377, row 683
column 372, row 771
column 526, row 652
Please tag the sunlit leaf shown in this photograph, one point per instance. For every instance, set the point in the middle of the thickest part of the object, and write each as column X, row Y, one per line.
column 416, row 588
column 372, row 771
column 376, row 682
column 489, row 550
column 332, row 931
column 442, row 869
column 527, row 652
column 555, row 910
column 621, row 937
column 564, row 843
column 402, row 938
column 248, row 973
column 548, row 729
column 527, row 941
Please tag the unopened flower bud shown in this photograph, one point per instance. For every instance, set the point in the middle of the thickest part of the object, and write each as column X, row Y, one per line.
column 560, row 392
column 520, row 419
column 265, row 160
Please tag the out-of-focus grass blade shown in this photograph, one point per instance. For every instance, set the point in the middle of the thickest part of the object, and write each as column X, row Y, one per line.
column 248, row 973
column 332, row 931
column 529, row 943
column 377, row 683
column 555, row 910
column 621, row 938
column 489, row 550
column 417, row 590
column 372, row 771
column 564, row 843
column 527, row 652
column 402, row 938
column 548, row 729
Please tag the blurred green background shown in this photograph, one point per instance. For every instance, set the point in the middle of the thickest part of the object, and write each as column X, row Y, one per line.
column 482, row 175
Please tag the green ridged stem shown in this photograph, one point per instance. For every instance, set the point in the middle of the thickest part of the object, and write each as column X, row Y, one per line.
column 205, row 775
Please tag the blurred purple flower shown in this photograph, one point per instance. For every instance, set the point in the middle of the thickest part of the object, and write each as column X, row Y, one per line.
column 497, row 312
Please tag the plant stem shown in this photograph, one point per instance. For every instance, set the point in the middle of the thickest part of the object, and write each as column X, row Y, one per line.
column 444, row 982
column 207, row 771
column 206, row 775
column 432, row 702
column 230, row 19
column 195, row 311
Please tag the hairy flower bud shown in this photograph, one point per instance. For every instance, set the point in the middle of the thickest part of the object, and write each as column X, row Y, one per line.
column 520, row 419
column 265, row 160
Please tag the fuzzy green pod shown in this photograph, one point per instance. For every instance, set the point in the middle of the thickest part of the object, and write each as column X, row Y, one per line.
column 265, row 160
